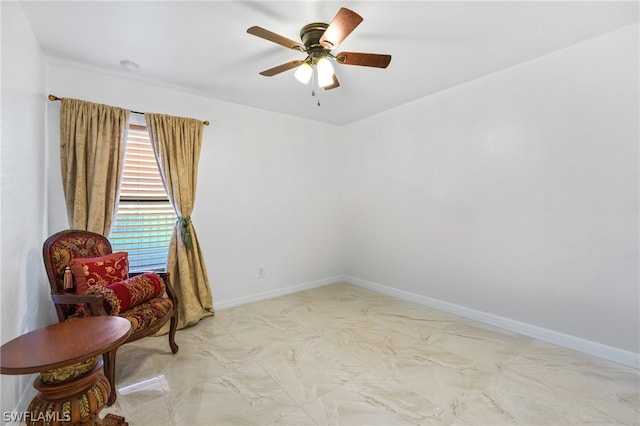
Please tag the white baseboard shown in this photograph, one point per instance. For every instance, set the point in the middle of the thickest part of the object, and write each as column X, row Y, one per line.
column 276, row 293
column 630, row 359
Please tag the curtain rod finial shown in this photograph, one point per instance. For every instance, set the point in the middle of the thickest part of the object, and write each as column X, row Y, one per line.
column 206, row 123
column 53, row 98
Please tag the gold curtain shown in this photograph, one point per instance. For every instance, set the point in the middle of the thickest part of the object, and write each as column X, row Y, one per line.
column 176, row 143
column 92, row 144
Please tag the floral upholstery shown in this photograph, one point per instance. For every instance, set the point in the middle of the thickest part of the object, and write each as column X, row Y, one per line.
column 142, row 316
column 99, row 271
column 67, row 247
column 123, row 295
column 147, row 314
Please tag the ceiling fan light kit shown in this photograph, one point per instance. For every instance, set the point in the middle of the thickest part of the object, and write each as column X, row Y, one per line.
column 303, row 73
column 318, row 39
column 325, row 72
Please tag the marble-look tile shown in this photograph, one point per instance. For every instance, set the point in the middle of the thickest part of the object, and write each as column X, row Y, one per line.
column 480, row 343
column 410, row 315
column 307, row 370
column 247, row 396
column 295, row 418
column 373, row 400
column 135, row 361
column 437, row 375
column 340, row 354
column 206, row 361
column 151, row 412
column 548, row 384
column 341, row 304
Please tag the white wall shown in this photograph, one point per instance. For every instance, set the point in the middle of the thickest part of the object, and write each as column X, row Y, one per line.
column 515, row 194
column 24, row 300
column 268, row 187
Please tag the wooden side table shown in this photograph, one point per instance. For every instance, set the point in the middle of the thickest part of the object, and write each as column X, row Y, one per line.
column 72, row 386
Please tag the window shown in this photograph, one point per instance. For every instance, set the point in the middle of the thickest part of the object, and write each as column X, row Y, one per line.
column 145, row 218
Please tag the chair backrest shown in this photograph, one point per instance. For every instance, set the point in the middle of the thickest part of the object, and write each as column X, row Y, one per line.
column 60, row 248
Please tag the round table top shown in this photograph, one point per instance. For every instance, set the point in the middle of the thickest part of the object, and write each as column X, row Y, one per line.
column 63, row 344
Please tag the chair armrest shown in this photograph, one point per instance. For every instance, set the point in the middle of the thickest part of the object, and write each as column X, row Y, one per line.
column 94, row 300
column 170, row 291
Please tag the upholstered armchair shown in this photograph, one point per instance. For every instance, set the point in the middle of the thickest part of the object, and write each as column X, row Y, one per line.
column 87, row 278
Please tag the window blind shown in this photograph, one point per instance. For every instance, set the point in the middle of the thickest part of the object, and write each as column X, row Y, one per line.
column 145, row 218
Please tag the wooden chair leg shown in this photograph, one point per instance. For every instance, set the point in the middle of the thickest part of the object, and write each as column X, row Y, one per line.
column 109, row 359
column 173, row 326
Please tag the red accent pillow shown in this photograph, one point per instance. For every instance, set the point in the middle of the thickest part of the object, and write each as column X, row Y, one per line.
column 120, row 296
column 102, row 271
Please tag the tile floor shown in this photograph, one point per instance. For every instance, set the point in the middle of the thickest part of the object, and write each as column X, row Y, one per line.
column 343, row 355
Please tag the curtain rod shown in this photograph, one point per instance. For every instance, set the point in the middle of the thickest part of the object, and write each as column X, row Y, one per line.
column 55, row 98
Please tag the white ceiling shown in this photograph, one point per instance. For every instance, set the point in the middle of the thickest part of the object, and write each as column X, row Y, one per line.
column 202, row 47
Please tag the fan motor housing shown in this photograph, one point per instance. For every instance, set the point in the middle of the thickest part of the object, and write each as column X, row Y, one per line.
column 310, row 35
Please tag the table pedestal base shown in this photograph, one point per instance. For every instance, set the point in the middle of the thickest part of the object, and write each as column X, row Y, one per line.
column 71, row 396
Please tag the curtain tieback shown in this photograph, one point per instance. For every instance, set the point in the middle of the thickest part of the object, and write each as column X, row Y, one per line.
column 185, row 231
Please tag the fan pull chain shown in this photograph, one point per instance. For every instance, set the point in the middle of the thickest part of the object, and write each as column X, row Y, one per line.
column 315, row 86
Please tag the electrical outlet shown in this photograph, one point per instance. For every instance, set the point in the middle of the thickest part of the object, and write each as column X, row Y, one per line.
column 261, row 272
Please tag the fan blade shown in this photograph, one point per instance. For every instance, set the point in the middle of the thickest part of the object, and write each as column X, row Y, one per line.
column 363, row 59
column 281, row 68
column 342, row 25
column 333, row 85
column 276, row 38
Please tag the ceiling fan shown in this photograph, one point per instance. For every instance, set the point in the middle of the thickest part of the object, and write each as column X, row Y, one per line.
column 318, row 39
